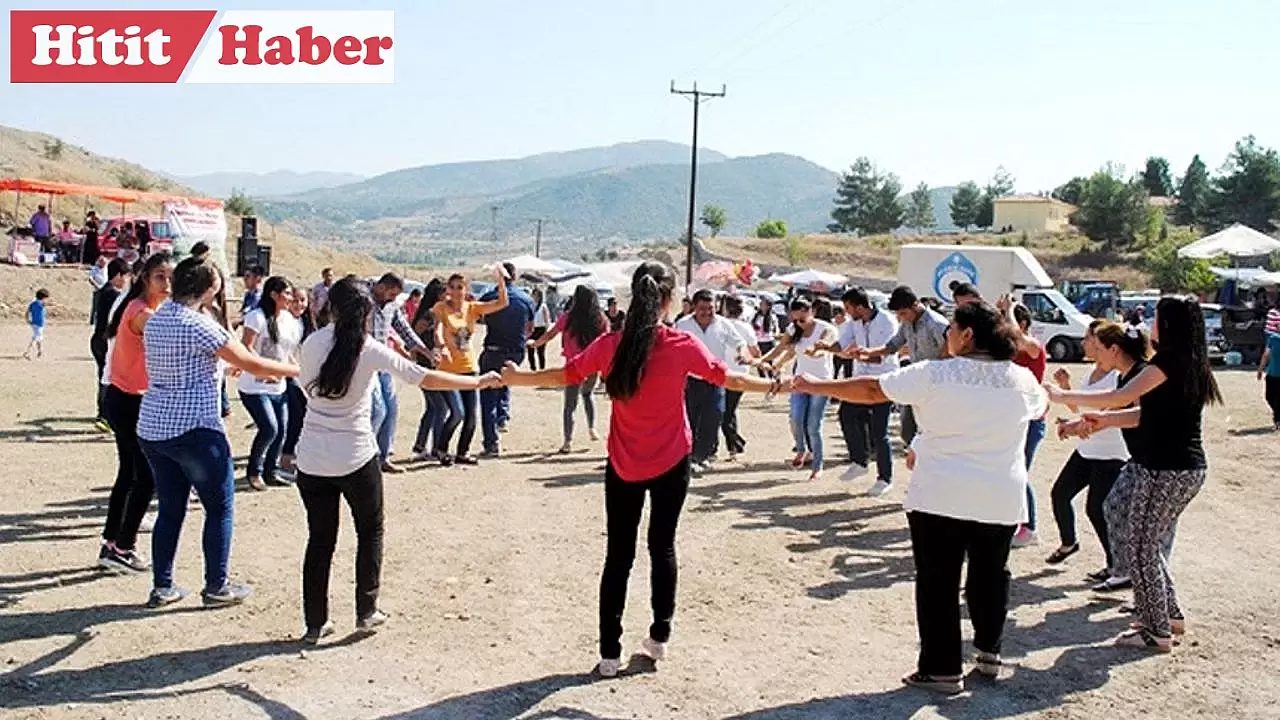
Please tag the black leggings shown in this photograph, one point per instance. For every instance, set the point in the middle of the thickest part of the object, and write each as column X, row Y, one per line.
column 538, row 355
column 131, row 493
column 1080, row 473
column 320, row 496
column 98, row 348
column 623, row 504
column 1273, row 397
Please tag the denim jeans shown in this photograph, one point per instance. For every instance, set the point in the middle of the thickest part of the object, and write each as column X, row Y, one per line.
column 431, row 426
column 704, row 404
column 807, row 413
column 270, row 415
column 866, row 431
column 495, row 403
column 297, row 400
column 461, row 406
column 1035, row 434
column 199, row 459
column 386, row 411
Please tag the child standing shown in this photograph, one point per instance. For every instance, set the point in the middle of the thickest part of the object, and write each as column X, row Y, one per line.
column 35, row 318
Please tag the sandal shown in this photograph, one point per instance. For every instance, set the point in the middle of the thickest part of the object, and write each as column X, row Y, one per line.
column 1144, row 640
column 1177, row 627
column 1099, row 576
column 466, row 460
column 988, row 664
column 1061, row 554
column 947, row 685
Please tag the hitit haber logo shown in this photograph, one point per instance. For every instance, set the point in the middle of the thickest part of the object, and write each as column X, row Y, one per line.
column 201, row 46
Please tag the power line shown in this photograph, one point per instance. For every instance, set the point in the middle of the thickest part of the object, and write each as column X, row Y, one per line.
column 699, row 96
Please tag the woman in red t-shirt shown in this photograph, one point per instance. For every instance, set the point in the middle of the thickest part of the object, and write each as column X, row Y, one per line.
column 1031, row 356
column 645, row 367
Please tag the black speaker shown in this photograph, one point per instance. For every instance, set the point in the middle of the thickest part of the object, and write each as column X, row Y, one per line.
column 246, row 254
column 249, row 227
column 264, row 259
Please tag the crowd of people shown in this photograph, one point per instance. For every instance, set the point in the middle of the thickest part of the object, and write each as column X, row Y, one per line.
column 317, row 371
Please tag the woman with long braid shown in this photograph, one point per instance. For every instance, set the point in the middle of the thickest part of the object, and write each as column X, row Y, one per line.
column 338, row 453
column 1173, row 389
column 645, row 367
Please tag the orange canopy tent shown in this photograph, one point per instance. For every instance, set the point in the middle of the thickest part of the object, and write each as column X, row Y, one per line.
column 112, row 194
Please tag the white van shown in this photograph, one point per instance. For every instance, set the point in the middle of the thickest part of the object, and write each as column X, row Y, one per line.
column 929, row 270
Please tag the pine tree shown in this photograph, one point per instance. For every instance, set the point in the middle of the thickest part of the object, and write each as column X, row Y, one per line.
column 1156, row 177
column 965, row 205
column 1193, row 195
column 919, row 209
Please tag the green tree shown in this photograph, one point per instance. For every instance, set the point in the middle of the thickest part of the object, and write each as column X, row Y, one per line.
column 1193, row 195
column 1001, row 185
column 1155, row 178
column 1172, row 273
column 867, row 201
column 239, row 203
column 1248, row 191
column 771, row 229
column 1112, row 210
column 965, row 205
column 53, row 149
column 714, row 218
column 1070, row 191
column 919, row 210
column 795, row 250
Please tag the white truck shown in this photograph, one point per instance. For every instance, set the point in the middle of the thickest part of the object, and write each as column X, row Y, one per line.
column 929, row 270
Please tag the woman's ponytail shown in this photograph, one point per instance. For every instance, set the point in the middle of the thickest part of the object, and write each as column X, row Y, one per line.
column 651, row 288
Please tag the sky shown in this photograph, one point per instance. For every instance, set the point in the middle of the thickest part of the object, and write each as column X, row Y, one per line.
column 936, row 91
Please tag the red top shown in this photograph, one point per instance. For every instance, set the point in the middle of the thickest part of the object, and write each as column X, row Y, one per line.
column 649, row 432
column 128, row 359
column 568, row 343
column 1035, row 364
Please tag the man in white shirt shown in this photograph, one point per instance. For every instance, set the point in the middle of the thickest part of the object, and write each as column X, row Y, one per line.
column 729, row 424
column 866, row 427
column 704, row 402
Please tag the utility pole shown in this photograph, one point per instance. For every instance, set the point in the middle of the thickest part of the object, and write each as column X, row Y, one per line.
column 537, row 242
column 699, row 96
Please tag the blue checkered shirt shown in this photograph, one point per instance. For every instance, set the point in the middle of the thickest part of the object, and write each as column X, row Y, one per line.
column 182, row 372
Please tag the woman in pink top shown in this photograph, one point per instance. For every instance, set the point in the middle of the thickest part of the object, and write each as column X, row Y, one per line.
column 578, row 328
column 645, row 367
column 131, row 493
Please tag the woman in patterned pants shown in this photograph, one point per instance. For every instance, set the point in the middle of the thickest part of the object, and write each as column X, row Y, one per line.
column 1172, row 392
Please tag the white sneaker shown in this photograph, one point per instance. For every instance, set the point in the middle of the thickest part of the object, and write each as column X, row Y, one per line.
column 148, row 523
column 853, row 472
column 879, row 489
column 609, row 667
column 653, row 649
column 423, row 456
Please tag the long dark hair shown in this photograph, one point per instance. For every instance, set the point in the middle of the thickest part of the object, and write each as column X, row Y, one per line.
column 768, row 321
column 797, row 305
column 352, row 304
column 137, row 289
column 431, row 294
column 1182, row 349
column 585, row 322
column 274, row 284
column 993, row 334
column 651, row 288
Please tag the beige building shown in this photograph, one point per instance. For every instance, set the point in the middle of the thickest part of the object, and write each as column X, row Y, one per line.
column 1032, row 213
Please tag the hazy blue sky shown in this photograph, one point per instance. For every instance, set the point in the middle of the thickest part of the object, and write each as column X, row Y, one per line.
column 934, row 90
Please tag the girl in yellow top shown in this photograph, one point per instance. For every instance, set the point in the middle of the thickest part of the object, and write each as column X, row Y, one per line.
column 456, row 319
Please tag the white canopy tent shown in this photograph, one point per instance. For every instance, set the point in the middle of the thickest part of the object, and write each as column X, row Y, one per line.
column 810, row 280
column 534, row 266
column 1236, row 241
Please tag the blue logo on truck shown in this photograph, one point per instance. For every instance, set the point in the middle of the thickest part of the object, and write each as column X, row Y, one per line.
column 956, row 268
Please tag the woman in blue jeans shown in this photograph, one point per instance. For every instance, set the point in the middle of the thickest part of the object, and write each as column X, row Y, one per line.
column 272, row 331
column 181, row 431
column 802, row 340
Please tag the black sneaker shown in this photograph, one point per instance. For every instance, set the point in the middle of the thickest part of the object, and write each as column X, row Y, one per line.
column 227, row 596
column 466, row 460
column 278, row 481
column 313, row 636
column 121, row 560
column 491, row 453
column 372, row 621
column 165, row 596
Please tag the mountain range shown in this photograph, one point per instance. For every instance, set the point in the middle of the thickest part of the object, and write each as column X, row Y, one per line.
column 264, row 185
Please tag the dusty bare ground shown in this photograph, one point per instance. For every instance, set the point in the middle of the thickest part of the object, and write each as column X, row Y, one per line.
column 795, row 598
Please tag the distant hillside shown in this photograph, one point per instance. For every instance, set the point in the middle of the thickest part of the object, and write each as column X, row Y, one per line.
column 408, row 191
column 28, row 154
column 265, row 185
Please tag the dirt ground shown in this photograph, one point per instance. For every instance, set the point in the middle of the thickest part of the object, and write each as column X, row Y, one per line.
column 795, row 598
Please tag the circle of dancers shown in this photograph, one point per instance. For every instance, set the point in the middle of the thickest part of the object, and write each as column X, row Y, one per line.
column 319, row 380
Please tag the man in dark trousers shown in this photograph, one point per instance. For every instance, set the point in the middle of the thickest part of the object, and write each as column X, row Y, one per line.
column 506, row 336
column 704, row 402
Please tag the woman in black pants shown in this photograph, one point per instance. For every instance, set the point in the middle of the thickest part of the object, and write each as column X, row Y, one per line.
column 1119, row 353
column 974, row 407
column 338, row 454
column 649, row 444
column 435, row 406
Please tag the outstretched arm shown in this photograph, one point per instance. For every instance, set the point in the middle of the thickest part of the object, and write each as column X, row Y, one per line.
column 1149, row 379
column 859, row 390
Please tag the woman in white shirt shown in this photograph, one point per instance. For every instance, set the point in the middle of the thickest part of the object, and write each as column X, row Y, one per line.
column 968, row 483
column 1097, row 461
column 271, row 331
column 808, row 410
column 541, row 325
column 338, row 453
